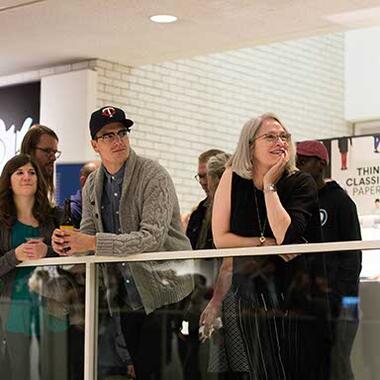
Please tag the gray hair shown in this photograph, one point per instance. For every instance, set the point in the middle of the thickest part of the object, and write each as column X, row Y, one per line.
column 205, row 156
column 217, row 164
column 241, row 161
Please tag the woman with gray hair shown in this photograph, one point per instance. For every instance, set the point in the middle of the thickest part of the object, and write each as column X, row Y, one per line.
column 262, row 199
column 215, row 169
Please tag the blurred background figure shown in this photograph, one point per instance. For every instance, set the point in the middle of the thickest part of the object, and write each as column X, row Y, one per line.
column 27, row 221
column 197, row 218
column 376, row 143
column 189, row 344
column 343, row 150
column 76, row 199
column 215, row 168
column 377, row 206
column 41, row 143
column 340, row 222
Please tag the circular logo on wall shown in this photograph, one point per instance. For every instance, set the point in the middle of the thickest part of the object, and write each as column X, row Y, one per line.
column 324, row 216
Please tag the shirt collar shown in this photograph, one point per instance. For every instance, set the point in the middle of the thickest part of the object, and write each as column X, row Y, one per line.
column 118, row 176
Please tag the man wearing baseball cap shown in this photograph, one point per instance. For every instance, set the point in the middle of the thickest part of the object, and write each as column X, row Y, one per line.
column 130, row 206
column 340, row 222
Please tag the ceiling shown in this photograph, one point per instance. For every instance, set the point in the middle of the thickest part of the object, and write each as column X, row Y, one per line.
column 42, row 33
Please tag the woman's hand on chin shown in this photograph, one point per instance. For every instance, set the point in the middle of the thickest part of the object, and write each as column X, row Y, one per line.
column 275, row 172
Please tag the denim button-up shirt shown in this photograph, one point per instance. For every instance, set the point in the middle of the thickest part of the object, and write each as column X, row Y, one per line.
column 110, row 217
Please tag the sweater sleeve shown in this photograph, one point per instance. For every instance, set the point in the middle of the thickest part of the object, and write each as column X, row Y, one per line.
column 158, row 200
column 8, row 261
column 301, row 199
column 87, row 224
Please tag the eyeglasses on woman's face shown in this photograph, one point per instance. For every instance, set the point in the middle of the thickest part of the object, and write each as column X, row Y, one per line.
column 272, row 138
column 110, row 137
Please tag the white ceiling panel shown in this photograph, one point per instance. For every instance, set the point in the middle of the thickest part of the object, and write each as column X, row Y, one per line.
column 44, row 33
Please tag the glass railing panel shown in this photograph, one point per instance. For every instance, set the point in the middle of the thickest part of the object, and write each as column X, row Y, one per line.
column 366, row 352
column 42, row 323
column 261, row 316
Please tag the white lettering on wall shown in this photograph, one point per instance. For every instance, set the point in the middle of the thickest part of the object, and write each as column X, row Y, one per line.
column 10, row 140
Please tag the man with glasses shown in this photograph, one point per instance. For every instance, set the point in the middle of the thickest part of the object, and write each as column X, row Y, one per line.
column 41, row 143
column 130, row 206
column 197, row 217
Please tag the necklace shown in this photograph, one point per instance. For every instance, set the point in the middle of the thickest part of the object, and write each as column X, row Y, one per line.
column 262, row 230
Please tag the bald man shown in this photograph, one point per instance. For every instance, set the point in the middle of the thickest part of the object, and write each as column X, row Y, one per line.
column 76, row 199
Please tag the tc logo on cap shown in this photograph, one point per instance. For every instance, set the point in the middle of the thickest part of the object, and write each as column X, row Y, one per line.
column 108, row 111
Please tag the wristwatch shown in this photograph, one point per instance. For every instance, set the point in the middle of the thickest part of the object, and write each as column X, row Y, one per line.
column 271, row 187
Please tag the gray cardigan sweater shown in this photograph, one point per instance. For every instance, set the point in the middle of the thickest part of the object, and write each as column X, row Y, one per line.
column 150, row 222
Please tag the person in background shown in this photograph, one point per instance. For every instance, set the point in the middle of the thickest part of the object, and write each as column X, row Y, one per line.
column 41, row 143
column 377, row 206
column 227, row 354
column 27, row 221
column 189, row 344
column 197, row 221
column 262, row 199
column 340, row 222
column 343, row 150
column 130, row 206
column 376, row 143
column 76, row 199
column 215, row 168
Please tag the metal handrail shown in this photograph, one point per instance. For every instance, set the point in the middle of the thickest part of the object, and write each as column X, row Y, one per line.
column 210, row 253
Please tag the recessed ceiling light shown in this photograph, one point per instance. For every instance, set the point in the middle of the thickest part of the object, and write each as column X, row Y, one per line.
column 163, row 19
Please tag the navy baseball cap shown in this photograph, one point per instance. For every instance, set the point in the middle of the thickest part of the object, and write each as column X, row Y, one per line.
column 107, row 115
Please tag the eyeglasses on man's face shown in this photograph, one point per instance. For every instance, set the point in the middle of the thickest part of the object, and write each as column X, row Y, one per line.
column 200, row 177
column 110, row 137
column 272, row 138
column 49, row 152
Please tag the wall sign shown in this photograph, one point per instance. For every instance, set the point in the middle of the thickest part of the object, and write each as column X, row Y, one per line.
column 19, row 110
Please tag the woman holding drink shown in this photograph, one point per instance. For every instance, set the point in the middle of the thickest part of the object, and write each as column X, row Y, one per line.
column 27, row 220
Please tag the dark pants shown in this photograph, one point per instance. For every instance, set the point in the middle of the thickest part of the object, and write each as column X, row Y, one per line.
column 188, row 349
column 76, row 352
column 345, row 332
column 148, row 339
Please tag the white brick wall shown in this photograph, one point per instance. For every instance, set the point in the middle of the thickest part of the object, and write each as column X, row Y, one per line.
column 184, row 107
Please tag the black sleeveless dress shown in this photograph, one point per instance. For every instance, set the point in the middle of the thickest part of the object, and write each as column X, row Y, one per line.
column 282, row 313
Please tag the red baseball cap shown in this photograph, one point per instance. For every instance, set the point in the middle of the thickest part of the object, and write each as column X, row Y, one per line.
column 313, row 148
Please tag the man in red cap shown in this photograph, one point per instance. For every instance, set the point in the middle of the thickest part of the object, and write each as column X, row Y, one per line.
column 339, row 220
